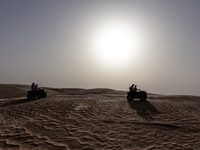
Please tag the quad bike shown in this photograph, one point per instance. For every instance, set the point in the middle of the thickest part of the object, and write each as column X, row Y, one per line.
column 39, row 93
column 138, row 94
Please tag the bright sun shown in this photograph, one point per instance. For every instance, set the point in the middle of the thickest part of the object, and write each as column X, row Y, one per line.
column 114, row 43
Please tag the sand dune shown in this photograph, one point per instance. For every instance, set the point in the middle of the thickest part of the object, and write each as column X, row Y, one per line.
column 97, row 119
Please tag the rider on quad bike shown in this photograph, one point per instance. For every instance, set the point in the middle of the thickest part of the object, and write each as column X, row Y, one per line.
column 32, row 86
column 135, row 93
column 131, row 87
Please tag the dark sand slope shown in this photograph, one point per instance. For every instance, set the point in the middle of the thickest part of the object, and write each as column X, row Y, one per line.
column 97, row 119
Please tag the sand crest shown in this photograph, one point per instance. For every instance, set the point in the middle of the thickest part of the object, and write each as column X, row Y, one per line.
column 97, row 119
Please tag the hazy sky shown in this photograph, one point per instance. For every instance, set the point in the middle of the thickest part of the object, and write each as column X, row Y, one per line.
column 102, row 44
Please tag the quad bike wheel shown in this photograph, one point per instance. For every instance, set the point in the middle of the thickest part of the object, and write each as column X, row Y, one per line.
column 143, row 97
column 29, row 96
column 129, row 98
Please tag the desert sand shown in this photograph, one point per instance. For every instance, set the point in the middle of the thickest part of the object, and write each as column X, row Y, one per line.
column 96, row 119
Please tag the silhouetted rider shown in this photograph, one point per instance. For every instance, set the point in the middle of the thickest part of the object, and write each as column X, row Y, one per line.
column 131, row 88
column 135, row 88
column 32, row 86
column 35, row 87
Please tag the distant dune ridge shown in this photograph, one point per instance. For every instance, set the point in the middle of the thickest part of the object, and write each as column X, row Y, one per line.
column 96, row 119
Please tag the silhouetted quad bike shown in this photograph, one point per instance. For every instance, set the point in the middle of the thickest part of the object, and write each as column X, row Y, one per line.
column 138, row 94
column 39, row 93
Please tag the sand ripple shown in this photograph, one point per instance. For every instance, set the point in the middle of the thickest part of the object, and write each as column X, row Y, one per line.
column 99, row 119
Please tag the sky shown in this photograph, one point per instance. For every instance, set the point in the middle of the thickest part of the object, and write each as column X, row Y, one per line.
column 102, row 44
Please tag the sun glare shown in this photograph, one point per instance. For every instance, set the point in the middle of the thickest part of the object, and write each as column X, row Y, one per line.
column 114, row 43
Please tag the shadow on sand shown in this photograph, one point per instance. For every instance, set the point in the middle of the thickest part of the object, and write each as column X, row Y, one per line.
column 144, row 109
column 18, row 102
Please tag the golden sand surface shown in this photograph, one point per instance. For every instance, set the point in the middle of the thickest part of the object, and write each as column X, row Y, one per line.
column 96, row 119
